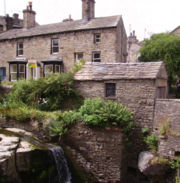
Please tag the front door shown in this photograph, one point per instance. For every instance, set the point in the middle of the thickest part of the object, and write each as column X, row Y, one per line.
column 2, row 73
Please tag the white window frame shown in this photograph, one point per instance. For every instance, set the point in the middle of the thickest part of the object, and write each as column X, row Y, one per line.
column 46, row 73
column 20, row 49
column 96, row 59
column 56, row 65
column 24, row 72
column 97, row 38
column 13, row 72
column 53, row 45
column 77, row 59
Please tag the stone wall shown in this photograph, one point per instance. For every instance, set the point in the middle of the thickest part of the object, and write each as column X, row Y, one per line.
column 98, row 151
column 137, row 95
column 168, row 111
column 39, row 48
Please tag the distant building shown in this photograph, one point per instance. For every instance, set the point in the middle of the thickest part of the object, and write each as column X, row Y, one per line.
column 35, row 50
column 176, row 31
column 133, row 47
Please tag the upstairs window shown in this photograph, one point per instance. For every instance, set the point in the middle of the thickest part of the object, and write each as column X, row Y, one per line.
column 54, row 46
column 96, row 56
column 97, row 38
column 20, row 49
column 110, row 89
column 78, row 56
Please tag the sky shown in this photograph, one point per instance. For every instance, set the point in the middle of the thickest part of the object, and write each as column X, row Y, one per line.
column 146, row 17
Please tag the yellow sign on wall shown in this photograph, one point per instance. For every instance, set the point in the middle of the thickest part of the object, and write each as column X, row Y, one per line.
column 32, row 64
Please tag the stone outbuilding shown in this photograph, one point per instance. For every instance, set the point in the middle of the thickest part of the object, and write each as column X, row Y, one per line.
column 136, row 85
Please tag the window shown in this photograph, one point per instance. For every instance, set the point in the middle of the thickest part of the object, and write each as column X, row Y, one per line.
column 21, row 71
column 52, row 68
column 20, row 49
column 17, row 71
column 110, row 89
column 97, row 38
column 96, row 56
column 48, row 69
column 78, row 56
column 57, row 68
column 2, row 73
column 54, row 46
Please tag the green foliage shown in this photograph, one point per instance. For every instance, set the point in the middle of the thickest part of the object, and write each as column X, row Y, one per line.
column 50, row 93
column 78, row 65
column 163, row 47
column 175, row 164
column 164, row 129
column 97, row 112
column 177, row 180
column 63, row 122
column 150, row 139
column 20, row 112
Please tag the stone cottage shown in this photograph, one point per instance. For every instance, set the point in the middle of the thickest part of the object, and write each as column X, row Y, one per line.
column 35, row 50
column 136, row 85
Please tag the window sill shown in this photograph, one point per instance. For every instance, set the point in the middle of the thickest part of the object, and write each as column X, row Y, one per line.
column 111, row 98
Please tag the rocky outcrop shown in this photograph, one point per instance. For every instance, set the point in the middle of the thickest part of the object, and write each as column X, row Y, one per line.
column 24, row 158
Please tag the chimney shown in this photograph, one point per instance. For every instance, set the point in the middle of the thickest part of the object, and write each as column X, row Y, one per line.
column 88, row 9
column 29, row 17
column 16, row 18
column 9, row 22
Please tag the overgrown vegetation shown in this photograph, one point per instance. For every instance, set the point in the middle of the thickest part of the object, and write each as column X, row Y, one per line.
column 50, row 93
column 150, row 139
column 95, row 112
column 37, row 99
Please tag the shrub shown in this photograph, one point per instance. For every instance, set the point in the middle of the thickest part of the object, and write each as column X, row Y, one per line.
column 152, row 141
column 63, row 122
column 20, row 112
column 97, row 112
column 50, row 93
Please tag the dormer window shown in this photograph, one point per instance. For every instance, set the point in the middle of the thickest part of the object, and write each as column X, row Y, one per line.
column 97, row 38
column 19, row 48
column 54, row 46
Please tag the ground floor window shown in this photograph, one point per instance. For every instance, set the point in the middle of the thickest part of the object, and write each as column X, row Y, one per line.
column 17, row 71
column 51, row 68
column 110, row 89
column 2, row 73
column 78, row 56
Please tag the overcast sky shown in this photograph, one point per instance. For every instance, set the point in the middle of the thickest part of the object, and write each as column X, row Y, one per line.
column 144, row 16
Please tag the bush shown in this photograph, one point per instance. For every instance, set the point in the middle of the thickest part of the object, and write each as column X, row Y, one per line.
column 63, row 122
column 152, row 141
column 20, row 112
column 97, row 112
column 50, row 93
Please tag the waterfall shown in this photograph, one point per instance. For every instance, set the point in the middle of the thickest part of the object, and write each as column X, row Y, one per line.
column 62, row 173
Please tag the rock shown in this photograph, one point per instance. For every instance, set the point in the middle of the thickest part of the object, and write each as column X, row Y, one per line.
column 144, row 160
column 150, row 169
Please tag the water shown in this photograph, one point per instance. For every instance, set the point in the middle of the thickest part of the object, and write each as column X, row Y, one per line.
column 62, row 173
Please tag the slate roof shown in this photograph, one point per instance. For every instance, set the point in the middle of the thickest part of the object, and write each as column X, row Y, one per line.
column 113, row 71
column 174, row 31
column 77, row 25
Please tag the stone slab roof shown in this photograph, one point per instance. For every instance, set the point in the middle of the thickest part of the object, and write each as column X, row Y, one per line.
column 96, row 23
column 113, row 71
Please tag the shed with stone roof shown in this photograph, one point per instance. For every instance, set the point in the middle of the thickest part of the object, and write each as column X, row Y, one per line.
column 136, row 85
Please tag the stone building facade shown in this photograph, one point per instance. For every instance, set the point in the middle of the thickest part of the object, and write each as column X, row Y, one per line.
column 136, row 85
column 34, row 50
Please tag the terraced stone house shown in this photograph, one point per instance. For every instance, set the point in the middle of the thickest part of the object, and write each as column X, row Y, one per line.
column 35, row 50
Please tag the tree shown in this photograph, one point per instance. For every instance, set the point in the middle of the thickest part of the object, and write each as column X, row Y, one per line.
column 163, row 47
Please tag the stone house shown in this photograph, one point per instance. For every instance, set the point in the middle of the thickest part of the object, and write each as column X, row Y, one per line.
column 136, row 85
column 35, row 50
